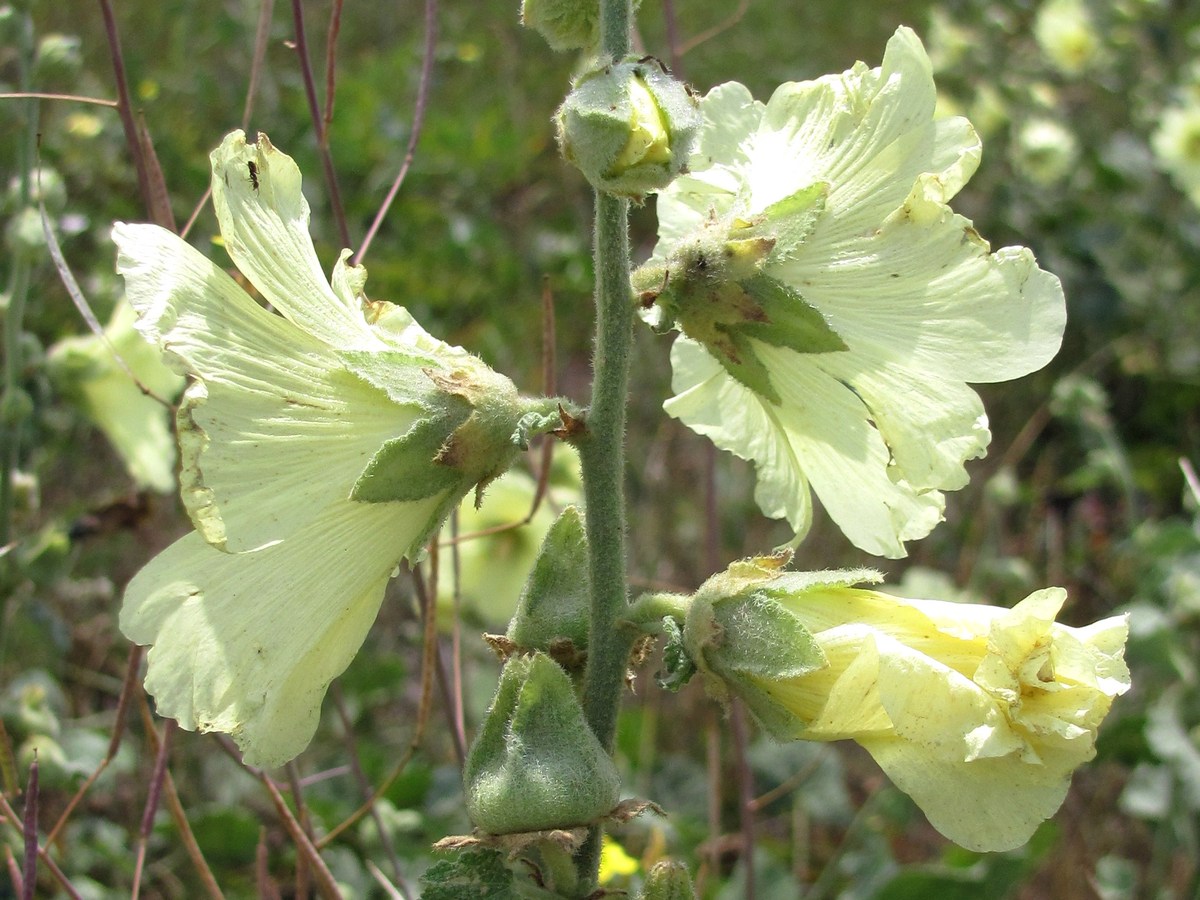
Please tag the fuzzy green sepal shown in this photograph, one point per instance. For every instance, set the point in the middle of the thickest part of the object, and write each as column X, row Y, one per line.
column 535, row 764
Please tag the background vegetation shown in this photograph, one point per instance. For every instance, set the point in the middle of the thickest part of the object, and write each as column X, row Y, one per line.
column 1090, row 115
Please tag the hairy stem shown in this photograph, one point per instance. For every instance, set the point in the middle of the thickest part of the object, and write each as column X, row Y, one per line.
column 602, row 455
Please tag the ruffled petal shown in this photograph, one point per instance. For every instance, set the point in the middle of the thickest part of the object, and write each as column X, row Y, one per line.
column 736, row 419
column 923, row 290
column 918, row 303
column 821, row 433
column 264, row 220
column 275, row 430
column 248, row 643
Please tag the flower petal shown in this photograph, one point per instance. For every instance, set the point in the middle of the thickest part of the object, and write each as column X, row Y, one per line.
column 275, row 430
column 264, row 220
column 713, row 404
column 820, row 433
column 248, row 643
column 923, row 290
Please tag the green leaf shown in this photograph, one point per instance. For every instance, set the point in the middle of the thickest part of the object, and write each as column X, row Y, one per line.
column 479, row 873
column 789, row 321
column 679, row 667
column 405, row 468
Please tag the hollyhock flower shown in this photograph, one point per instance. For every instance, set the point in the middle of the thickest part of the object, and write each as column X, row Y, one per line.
column 319, row 446
column 833, row 306
column 979, row 713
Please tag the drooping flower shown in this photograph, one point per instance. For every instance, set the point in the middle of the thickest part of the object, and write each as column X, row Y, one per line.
column 318, row 447
column 978, row 713
column 832, row 305
column 137, row 425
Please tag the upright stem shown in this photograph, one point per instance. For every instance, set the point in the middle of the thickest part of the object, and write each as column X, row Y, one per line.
column 602, row 455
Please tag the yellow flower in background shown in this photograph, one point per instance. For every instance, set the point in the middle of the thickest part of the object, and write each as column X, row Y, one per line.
column 319, row 446
column 979, row 713
column 1067, row 35
column 137, row 425
column 1176, row 144
column 833, row 307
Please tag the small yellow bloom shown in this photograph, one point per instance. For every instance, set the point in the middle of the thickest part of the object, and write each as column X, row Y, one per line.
column 978, row 713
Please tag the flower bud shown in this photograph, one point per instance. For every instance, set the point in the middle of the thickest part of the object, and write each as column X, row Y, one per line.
column 552, row 614
column 629, row 127
column 24, row 235
column 535, row 764
column 668, row 881
column 58, row 58
column 15, row 407
column 565, row 24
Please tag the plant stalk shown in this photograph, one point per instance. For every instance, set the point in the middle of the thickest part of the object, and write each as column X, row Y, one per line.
column 602, row 456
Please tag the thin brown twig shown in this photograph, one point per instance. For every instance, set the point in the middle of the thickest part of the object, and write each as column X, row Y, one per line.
column 43, row 856
column 133, row 139
column 326, row 885
column 705, row 36
column 390, row 889
column 672, row 26
column 14, row 871
column 186, row 836
column 30, row 826
column 262, row 34
column 152, row 798
column 42, row 95
column 414, row 133
column 431, row 659
column 364, row 783
column 305, row 820
column 335, row 25
column 314, row 110
column 263, row 883
column 114, row 742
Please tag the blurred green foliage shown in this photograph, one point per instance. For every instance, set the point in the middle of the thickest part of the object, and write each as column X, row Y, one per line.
column 1092, row 157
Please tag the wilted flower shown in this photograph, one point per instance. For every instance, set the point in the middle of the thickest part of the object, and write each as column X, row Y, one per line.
column 137, row 425
column 319, row 446
column 833, row 306
column 978, row 713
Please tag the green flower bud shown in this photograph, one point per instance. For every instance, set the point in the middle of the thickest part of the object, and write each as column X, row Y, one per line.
column 15, row 407
column 24, row 235
column 668, row 881
column 45, row 184
column 535, row 764
column 552, row 614
column 629, row 127
column 34, row 704
column 565, row 24
column 57, row 59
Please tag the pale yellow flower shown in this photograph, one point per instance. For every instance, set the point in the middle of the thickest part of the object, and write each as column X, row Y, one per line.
column 978, row 713
column 319, row 446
